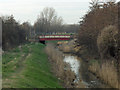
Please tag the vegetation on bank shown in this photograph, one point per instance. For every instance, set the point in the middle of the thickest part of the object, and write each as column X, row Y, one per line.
column 106, row 72
column 14, row 33
column 99, row 36
column 58, row 66
column 27, row 66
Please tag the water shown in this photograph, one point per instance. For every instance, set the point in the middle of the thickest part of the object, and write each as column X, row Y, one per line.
column 74, row 64
column 89, row 80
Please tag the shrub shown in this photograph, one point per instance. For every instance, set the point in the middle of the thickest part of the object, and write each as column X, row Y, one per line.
column 93, row 22
column 107, row 41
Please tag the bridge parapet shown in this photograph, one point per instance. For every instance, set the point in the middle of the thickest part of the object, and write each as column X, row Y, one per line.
column 54, row 37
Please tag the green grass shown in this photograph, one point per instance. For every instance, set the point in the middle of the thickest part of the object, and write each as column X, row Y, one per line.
column 32, row 70
column 9, row 60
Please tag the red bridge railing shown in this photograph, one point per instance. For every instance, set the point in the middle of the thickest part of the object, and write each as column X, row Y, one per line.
column 54, row 37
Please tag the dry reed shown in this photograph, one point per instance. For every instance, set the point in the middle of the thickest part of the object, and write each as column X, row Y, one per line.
column 107, row 72
column 58, row 65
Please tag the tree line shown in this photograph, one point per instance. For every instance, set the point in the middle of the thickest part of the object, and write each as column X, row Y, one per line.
column 48, row 22
column 99, row 35
column 99, row 30
column 13, row 33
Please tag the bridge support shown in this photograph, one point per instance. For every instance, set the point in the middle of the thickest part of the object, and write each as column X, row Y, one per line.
column 43, row 42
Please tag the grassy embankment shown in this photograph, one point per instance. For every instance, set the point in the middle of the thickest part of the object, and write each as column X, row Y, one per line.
column 27, row 67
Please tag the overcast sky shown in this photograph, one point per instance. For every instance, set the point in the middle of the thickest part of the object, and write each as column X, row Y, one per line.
column 27, row 10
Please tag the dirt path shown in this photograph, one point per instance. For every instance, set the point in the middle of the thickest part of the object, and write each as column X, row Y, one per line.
column 12, row 79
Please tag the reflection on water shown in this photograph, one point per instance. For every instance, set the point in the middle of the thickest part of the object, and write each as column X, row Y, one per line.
column 74, row 64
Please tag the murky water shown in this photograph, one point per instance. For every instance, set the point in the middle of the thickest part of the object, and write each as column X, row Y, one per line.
column 88, row 80
column 74, row 64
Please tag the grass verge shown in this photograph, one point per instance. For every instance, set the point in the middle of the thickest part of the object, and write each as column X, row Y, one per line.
column 28, row 67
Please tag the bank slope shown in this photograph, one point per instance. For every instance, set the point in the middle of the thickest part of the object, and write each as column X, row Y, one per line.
column 28, row 67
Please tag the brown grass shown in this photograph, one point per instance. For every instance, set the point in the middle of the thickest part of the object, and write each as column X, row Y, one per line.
column 107, row 72
column 56, row 58
column 67, row 46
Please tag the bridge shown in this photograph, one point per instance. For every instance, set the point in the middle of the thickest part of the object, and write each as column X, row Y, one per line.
column 44, row 38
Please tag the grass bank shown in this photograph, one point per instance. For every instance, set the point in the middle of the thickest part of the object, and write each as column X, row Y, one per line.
column 27, row 67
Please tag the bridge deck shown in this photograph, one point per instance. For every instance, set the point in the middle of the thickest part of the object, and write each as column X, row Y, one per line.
column 54, row 37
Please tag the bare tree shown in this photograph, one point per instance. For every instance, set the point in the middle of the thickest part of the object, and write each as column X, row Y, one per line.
column 48, row 21
column 94, row 4
column 47, row 16
column 27, row 26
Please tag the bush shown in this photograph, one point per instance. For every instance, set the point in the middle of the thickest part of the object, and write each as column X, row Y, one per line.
column 107, row 42
column 93, row 22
